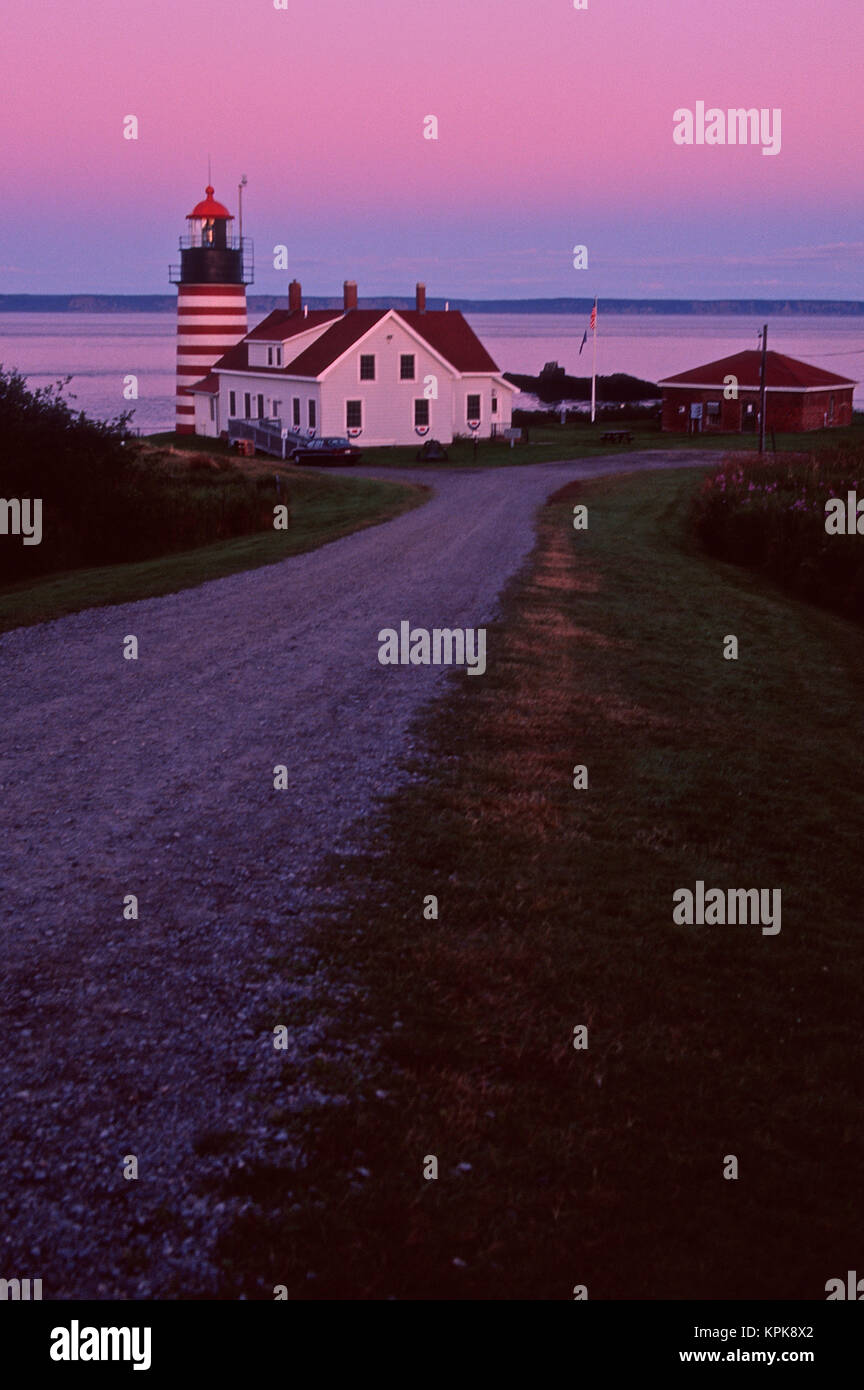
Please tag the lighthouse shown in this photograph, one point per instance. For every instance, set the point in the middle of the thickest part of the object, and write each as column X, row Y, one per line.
column 215, row 268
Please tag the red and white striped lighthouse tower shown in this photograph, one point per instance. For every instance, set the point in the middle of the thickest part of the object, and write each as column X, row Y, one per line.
column 215, row 268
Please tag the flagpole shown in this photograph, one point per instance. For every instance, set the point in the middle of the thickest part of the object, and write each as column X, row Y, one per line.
column 594, row 367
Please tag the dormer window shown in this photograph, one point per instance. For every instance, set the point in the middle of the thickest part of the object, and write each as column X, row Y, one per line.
column 274, row 357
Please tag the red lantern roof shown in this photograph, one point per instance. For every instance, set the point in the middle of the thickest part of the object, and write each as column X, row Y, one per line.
column 208, row 207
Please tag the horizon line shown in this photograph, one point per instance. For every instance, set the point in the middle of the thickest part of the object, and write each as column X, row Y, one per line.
column 785, row 303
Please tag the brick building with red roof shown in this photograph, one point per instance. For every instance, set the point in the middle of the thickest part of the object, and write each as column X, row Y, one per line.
column 381, row 376
column 724, row 397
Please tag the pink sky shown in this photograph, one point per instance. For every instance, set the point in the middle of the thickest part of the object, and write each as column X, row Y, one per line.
column 555, row 128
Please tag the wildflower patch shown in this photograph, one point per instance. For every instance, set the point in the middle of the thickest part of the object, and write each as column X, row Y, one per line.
column 794, row 517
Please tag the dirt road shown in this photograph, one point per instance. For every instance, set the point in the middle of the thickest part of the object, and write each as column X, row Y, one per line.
column 154, row 777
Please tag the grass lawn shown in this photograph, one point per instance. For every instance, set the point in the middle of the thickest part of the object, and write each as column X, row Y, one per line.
column 322, row 509
column 550, row 442
column 601, row 1167
column 554, row 442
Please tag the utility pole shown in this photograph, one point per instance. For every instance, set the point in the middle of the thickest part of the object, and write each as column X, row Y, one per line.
column 762, row 391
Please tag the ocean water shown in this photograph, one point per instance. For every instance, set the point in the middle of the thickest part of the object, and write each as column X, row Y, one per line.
column 99, row 350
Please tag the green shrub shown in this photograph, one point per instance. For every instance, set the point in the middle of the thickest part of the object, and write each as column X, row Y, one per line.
column 106, row 498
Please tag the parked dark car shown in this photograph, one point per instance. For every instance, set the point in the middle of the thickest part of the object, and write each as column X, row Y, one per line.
column 327, row 451
column 432, row 451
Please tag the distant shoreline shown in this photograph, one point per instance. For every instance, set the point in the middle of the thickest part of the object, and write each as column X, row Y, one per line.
column 260, row 304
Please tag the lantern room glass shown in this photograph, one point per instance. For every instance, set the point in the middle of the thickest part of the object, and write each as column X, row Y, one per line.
column 206, row 231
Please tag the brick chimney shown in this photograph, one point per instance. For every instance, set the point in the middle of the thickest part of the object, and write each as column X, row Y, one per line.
column 295, row 296
column 349, row 295
column 421, row 297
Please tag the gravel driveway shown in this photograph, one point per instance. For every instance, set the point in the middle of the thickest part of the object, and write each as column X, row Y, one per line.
column 155, row 777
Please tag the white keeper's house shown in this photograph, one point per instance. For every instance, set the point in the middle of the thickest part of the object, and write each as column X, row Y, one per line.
column 380, row 376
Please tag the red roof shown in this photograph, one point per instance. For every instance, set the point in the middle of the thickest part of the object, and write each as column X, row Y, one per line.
column 237, row 359
column 318, row 356
column 780, row 370
column 446, row 332
column 209, row 383
column 449, row 334
column 208, row 207
column 287, row 323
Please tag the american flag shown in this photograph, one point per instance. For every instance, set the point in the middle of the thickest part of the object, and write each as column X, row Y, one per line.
column 593, row 323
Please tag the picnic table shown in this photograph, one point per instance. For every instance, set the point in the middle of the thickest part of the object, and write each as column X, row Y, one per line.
column 616, row 437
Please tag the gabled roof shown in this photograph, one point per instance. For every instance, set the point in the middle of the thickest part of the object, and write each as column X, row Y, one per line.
column 780, row 372
column 445, row 332
column 450, row 335
column 325, row 350
column 287, row 323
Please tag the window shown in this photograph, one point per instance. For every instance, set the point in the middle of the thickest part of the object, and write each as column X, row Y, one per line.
column 277, row 409
column 269, row 357
column 353, row 415
column 278, row 357
column 367, row 366
column 406, row 366
column 295, row 407
column 260, row 407
column 212, row 407
column 494, row 404
column 713, row 409
column 473, row 408
column 247, row 406
column 311, row 415
column 421, row 412
column 830, row 407
column 232, row 404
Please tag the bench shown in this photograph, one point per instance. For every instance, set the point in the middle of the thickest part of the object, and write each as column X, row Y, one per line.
column 616, row 437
